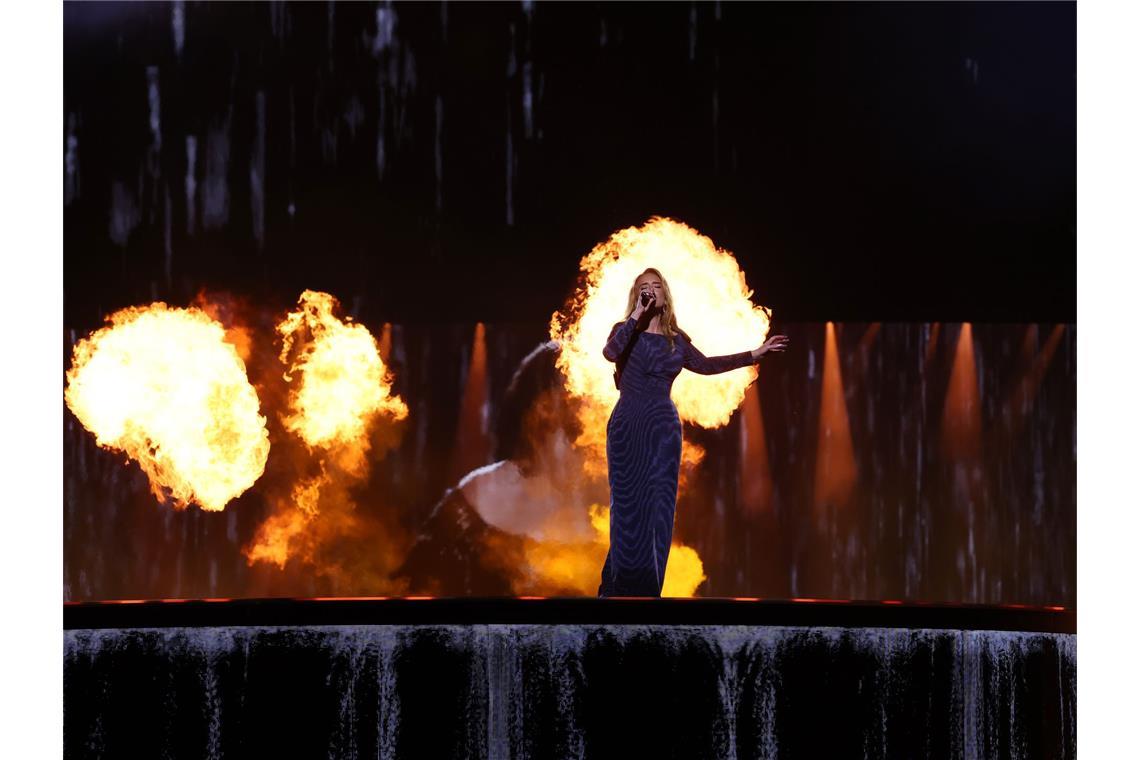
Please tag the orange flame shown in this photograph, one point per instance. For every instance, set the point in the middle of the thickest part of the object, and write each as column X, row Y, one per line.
column 274, row 536
column 163, row 385
column 339, row 389
column 712, row 301
column 343, row 382
column 567, row 566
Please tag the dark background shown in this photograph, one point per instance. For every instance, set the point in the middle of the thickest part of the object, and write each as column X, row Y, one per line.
column 862, row 161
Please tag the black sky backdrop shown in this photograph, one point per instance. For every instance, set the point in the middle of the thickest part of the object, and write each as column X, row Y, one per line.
column 862, row 161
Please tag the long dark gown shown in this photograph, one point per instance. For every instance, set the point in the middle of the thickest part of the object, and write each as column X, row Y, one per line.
column 643, row 448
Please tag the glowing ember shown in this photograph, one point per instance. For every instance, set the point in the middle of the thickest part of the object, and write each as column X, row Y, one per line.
column 713, row 305
column 164, row 386
column 343, row 383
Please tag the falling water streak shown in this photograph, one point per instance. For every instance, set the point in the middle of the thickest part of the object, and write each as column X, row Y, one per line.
column 215, row 188
column 210, row 648
column 528, row 72
column 257, row 172
column 503, row 674
column 191, row 183
column 71, row 162
column 385, row 28
column 767, row 648
column 381, row 151
column 887, row 643
column 528, row 99
column 692, row 32
column 279, row 21
column 746, row 657
column 124, row 216
column 350, row 655
column 178, row 26
column 731, row 641
column 1067, row 653
column 565, row 648
column 154, row 106
column 388, row 642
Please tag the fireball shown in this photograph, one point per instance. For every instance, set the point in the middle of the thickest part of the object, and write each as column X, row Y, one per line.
column 339, row 381
column 164, row 386
column 713, row 305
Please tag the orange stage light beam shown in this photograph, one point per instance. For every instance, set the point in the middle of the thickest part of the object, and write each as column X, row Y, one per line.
column 755, row 471
column 835, row 472
column 962, row 412
column 472, row 443
column 932, row 343
column 1021, row 400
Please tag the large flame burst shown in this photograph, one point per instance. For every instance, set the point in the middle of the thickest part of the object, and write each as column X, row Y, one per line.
column 339, row 381
column 712, row 302
column 339, row 388
column 164, row 386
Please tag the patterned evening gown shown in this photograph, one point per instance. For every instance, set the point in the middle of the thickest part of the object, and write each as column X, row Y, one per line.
column 643, row 448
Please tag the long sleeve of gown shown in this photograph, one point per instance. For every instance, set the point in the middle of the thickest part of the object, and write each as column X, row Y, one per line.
column 697, row 362
column 619, row 337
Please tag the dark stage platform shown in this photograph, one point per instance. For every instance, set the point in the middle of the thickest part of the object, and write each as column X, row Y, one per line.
column 131, row 613
column 567, row 678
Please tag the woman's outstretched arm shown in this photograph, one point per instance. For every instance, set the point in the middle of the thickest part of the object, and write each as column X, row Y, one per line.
column 619, row 337
column 697, row 362
column 712, row 365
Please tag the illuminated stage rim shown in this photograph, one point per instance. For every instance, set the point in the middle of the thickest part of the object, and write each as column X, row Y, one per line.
column 183, row 613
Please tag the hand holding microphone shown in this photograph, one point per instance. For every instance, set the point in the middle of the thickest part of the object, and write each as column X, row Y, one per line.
column 645, row 302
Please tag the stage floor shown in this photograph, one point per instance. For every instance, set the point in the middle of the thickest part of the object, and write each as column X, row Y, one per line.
column 133, row 613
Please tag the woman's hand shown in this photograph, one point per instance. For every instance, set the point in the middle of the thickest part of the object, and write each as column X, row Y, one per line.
column 640, row 309
column 774, row 343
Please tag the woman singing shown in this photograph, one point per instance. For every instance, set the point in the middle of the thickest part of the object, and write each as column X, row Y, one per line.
column 643, row 437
